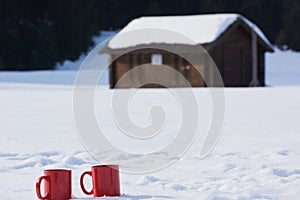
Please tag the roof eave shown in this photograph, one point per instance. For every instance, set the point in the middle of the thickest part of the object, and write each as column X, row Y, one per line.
column 231, row 28
column 177, row 48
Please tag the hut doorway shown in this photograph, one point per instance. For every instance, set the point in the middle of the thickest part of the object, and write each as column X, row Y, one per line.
column 233, row 64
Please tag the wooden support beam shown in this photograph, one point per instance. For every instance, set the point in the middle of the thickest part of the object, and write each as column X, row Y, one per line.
column 254, row 82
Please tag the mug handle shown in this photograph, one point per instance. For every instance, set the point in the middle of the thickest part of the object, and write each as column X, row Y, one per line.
column 38, row 187
column 82, row 185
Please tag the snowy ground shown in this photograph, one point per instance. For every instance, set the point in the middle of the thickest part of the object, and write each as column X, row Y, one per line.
column 283, row 68
column 257, row 157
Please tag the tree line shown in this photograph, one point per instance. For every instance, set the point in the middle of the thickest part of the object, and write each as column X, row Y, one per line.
column 37, row 34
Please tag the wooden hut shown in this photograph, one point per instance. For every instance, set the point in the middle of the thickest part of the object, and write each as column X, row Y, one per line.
column 236, row 46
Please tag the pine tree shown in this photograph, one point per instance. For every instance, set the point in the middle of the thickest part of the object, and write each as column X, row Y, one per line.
column 289, row 36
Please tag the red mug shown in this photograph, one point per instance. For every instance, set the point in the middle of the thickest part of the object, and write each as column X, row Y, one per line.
column 105, row 179
column 57, row 185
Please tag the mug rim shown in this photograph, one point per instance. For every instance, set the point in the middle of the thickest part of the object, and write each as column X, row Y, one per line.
column 114, row 166
column 58, row 170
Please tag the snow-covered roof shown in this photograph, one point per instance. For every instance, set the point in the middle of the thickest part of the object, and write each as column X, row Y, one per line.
column 200, row 29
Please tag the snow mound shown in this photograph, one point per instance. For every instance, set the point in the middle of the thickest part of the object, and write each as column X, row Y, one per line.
column 75, row 65
column 283, row 68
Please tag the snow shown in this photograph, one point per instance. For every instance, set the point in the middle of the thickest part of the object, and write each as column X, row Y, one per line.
column 257, row 157
column 283, row 68
column 190, row 30
column 74, row 65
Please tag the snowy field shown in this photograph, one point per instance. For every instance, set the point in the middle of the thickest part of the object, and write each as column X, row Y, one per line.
column 257, row 157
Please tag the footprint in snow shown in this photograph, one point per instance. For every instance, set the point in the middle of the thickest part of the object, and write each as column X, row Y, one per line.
column 146, row 180
column 34, row 161
column 73, row 161
column 282, row 152
column 229, row 167
column 175, row 186
column 286, row 173
column 7, row 155
column 49, row 153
